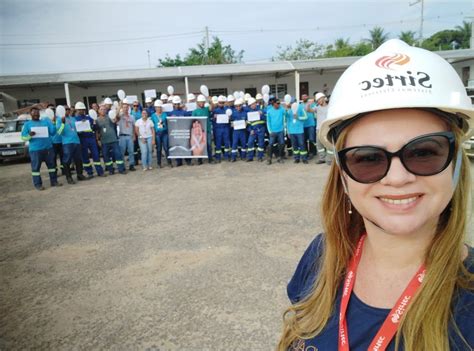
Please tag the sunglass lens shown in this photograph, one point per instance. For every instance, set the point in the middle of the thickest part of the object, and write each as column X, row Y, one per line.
column 366, row 164
column 427, row 156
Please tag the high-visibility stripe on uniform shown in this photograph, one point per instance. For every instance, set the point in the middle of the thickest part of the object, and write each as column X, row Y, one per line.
column 260, row 149
column 51, row 170
column 109, row 163
column 87, row 164
column 35, row 173
column 97, row 164
column 119, row 162
column 250, row 149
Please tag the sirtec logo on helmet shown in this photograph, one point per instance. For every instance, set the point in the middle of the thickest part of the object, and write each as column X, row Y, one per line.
column 411, row 81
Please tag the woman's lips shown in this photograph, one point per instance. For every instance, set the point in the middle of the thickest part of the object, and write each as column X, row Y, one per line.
column 402, row 202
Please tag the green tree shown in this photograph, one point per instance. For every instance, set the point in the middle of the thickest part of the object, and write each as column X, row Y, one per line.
column 465, row 31
column 377, row 37
column 340, row 48
column 218, row 53
column 408, row 37
column 443, row 40
column 304, row 50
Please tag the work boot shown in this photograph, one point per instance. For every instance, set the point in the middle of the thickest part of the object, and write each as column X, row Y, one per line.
column 250, row 160
column 200, row 161
column 297, row 161
column 40, row 188
column 81, row 177
column 103, row 175
column 67, row 173
column 132, row 168
column 170, row 164
column 57, row 184
column 281, row 149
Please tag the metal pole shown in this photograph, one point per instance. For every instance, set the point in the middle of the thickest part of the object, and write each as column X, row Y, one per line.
column 68, row 98
column 149, row 62
column 297, row 86
column 186, row 86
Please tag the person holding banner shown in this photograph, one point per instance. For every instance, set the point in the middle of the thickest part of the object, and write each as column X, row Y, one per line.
column 239, row 133
column 86, row 128
column 38, row 133
column 179, row 112
column 161, row 133
column 221, row 129
column 392, row 271
column 256, row 119
column 203, row 111
column 144, row 128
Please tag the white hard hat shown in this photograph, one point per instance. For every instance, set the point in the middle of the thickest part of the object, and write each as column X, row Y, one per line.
column 158, row 103
column 191, row 96
column 239, row 102
column 80, row 106
column 176, row 100
column 126, row 101
column 247, row 96
column 170, row 98
column 201, row 98
column 319, row 96
column 230, row 98
column 214, row 99
column 148, row 99
column 164, row 97
column 108, row 101
column 259, row 96
column 251, row 101
column 221, row 98
column 394, row 76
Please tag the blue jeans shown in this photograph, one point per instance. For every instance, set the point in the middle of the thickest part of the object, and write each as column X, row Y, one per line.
column 146, row 150
column 90, row 144
column 126, row 144
column 299, row 149
column 37, row 158
column 161, row 143
column 109, row 150
column 310, row 136
column 222, row 139
column 239, row 137
column 256, row 133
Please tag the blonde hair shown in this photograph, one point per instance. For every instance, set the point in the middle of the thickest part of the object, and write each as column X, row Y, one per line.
column 425, row 324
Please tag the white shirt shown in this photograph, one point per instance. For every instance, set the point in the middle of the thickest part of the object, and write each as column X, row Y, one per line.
column 321, row 115
column 144, row 128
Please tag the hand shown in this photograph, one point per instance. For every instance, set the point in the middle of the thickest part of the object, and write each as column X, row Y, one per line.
column 142, row 140
column 32, row 133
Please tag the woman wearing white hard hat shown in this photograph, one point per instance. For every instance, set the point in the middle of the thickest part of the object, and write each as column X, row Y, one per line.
column 324, row 155
column 392, row 270
column 161, row 132
column 145, row 130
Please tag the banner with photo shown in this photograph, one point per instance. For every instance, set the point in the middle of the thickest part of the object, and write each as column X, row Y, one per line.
column 187, row 137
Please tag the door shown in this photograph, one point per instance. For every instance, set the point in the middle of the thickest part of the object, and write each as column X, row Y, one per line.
column 304, row 88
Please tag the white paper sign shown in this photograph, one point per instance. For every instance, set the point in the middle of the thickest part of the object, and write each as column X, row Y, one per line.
column 191, row 106
column 151, row 93
column 240, row 124
column 253, row 116
column 83, row 126
column 222, row 118
column 167, row 107
column 132, row 98
column 41, row 132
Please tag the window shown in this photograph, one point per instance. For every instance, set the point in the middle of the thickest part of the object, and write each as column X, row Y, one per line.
column 278, row 90
column 60, row 101
column 26, row 103
column 251, row 91
column 218, row 91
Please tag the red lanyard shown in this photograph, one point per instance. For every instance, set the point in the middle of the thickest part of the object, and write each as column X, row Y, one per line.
column 390, row 325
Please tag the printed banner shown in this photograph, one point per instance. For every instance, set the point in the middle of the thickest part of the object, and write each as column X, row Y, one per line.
column 187, row 137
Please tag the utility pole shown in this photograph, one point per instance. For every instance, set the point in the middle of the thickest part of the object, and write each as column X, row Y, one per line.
column 421, row 19
column 149, row 62
column 206, row 42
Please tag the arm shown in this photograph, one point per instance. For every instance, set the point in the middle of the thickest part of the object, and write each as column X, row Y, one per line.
column 152, row 127
column 26, row 132
column 51, row 128
column 60, row 125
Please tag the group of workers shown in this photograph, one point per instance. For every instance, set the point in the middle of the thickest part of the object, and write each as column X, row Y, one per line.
column 120, row 129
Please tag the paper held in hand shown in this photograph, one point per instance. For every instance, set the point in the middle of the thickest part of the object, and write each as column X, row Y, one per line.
column 167, row 107
column 83, row 126
column 151, row 93
column 223, row 118
column 41, row 132
column 240, row 124
column 191, row 106
column 253, row 116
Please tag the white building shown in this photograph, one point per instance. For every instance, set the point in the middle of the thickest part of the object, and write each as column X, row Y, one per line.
column 292, row 77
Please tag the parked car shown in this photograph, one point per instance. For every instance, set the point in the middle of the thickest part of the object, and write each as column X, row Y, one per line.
column 11, row 145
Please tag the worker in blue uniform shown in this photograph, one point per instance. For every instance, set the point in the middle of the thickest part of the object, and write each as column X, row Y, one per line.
column 178, row 111
column 161, row 132
column 39, row 134
column 256, row 131
column 72, row 151
column 306, row 112
column 275, row 125
column 88, row 141
column 239, row 133
column 221, row 130
column 295, row 130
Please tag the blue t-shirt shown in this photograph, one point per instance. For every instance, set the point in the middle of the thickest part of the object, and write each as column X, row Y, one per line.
column 364, row 321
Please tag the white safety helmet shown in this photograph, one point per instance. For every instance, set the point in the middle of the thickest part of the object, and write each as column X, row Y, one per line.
column 259, row 96
column 170, row 98
column 201, row 98
column 247, row 96
column 230, row 98
column 164, row 97
column 108, row 101
column 158, row 103
column 148, row 99
column 221, row 98
column 251, row 101
column 215, row 99
column 125, row 101
column 239, row 101
column 319, row 96
column 80, row 106
column 191, row 96
column 394, row 76
column 176, row 100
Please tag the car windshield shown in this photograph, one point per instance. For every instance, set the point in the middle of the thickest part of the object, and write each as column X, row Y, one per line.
column 13, row 126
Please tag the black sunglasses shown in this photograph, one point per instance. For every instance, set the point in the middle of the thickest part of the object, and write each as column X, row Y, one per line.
column 425, row 155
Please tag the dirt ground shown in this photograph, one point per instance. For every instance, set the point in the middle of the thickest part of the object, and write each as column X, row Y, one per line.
column 189, row 258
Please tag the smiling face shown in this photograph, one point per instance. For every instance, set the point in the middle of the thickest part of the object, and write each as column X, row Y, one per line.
column 401, row 203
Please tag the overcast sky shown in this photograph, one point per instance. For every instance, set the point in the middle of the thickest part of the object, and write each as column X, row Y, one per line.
column 79, row 35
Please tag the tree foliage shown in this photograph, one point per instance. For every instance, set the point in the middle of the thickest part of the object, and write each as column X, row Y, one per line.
column 408, row 37
column 218, row 53
column 304, row 50
column 377, row 37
